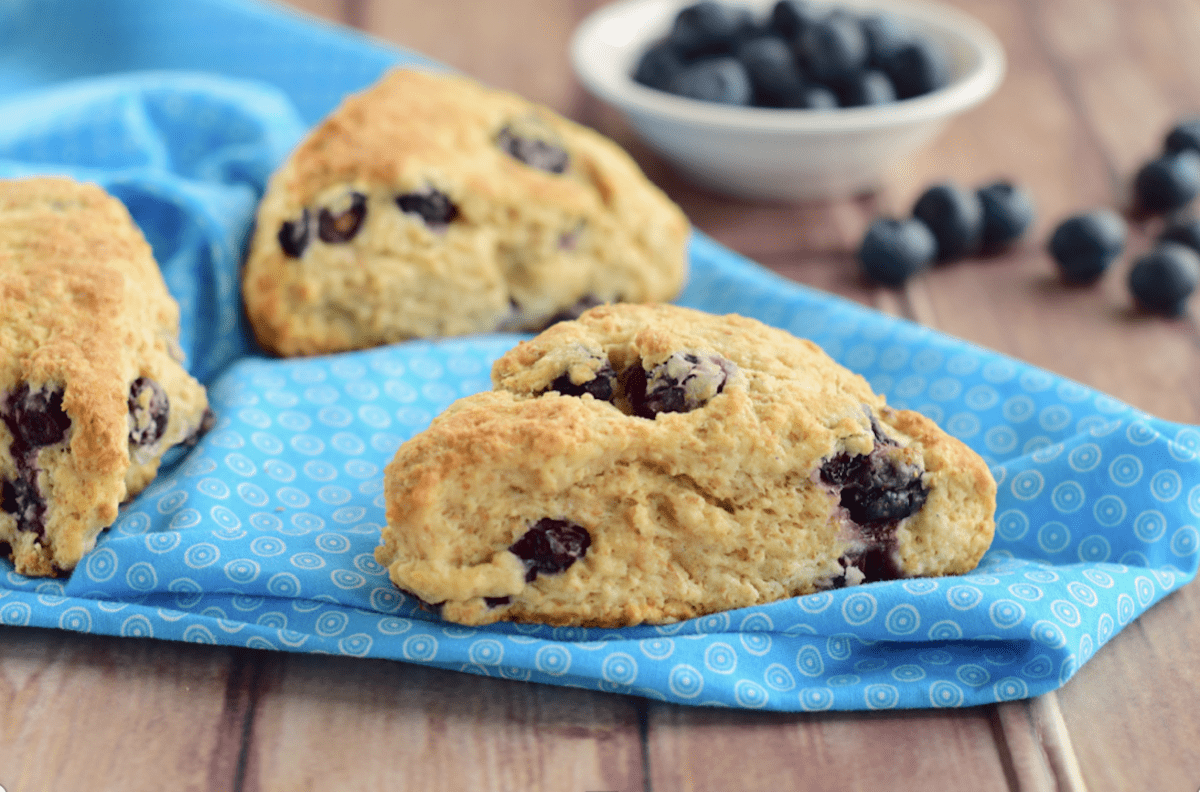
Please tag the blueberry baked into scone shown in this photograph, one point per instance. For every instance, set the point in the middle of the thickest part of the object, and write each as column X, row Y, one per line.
column 656, row 463
column 430, row 205
column 92, row 390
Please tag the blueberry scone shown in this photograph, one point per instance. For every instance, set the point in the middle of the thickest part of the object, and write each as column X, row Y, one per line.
column 655, row 463
column 430, row 205
column 92, row 392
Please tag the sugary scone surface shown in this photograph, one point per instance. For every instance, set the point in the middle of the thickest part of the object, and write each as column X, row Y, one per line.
column 717, row 507
column 85, row 321
column 526, row 242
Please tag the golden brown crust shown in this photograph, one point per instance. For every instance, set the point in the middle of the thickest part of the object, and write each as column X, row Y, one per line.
column 84, row 312
column 717, row 507
column 525, row 244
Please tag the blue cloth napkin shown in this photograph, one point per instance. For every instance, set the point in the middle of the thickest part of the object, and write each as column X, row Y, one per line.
column 263, row 534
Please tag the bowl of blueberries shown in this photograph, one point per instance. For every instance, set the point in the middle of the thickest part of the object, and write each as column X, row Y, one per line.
column 786, row 99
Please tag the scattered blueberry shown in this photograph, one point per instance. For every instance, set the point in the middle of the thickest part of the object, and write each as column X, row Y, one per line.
column 1007, row 214
column 722, row 80
column 294, row 235
column 1163, row 279
column 893, row 250
column 433, row 206
column 149, row 412
column 833, row 48
column 954, row 215
column 342, row 227
column 1184, row 230
column 1184, row 135
column 1168, row 182
column 534, row 152
column 550, row 547
column 683, row 382
column 1085, row 245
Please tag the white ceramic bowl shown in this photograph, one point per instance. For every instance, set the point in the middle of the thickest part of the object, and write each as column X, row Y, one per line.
column 774, row 154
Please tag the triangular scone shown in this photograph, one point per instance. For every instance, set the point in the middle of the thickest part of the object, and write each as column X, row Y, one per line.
column 430, row 205
column 655, row 463
column 92, row 390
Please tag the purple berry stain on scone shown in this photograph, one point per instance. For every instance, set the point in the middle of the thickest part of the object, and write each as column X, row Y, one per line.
column 683, row 382
column 533, row 151
column 294, row 234
column 550, row 547
column 35, row 420
column 432, row 206
column 877, row 492
column 149, row 412
column 343, row 226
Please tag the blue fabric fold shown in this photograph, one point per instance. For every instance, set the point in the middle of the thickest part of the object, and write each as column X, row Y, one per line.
column 263, row 534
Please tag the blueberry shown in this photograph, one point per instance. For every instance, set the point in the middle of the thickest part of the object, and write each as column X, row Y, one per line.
column 149, row 412
column 1184, row 135
column 772, row 69
column 1007, row 214
column 550, row 547
column 1164, row 278
column 955, row 216
column 867, row 88
column 919, row 67
column 789, row 18
column 433, row 206
column 833, row 48
column 813, row 97
column 601, row 387
column 658, row 66
column 1168, row 182
column 35, row 419
column 343, row 226
column 1085, row 245
column 707, row 28
column 534, row 152
column 873, row 488
column 892, row 250
column 885, row 35
column 683, row 382
column 721, row 80
column 294, row 235
column 1184, row 230
column 23, row 500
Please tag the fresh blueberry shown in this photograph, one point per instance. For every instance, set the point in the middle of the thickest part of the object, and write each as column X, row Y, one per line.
column 433, row 206
column 722, row 79
column 550, row 547
column 772, row 69
column 833, row 48
column 867, row 88
column 1168, row 182
column 1184, row 230
column 789, row 18
column 534, row 152
column 294, row 235
column 919, row 67
column 893, row 250
column 1008, row 213
column 1085, row 245
column 885, row 35
column 601, row 387
column 658, row 66
column 1163, row 279
column 1184, row 135
column 954, row 215
column 707, row 28
column 343, row 226
column 149, row 412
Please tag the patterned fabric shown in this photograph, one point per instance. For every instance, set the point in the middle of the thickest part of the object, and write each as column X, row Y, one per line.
column 263, row 535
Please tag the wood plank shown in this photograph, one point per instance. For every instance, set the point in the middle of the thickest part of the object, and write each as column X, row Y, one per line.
column 87, row 712
column 324, row 720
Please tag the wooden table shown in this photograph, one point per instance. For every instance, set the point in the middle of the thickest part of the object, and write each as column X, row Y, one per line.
column 1091, row 89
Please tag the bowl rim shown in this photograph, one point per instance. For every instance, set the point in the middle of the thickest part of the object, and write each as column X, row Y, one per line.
column 592, row 57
